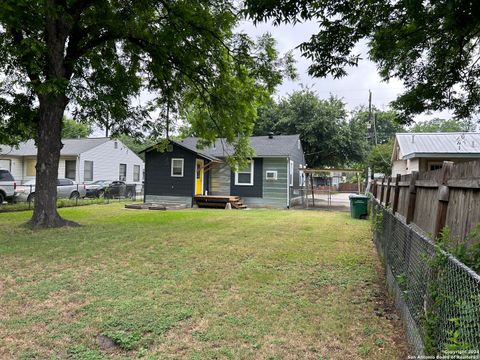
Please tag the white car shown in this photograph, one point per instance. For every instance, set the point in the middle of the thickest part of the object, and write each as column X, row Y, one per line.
column 7, row 186
column 66, row 188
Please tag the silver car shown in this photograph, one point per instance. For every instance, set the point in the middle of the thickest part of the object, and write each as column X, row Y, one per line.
column 66, row 188
column 7, row 186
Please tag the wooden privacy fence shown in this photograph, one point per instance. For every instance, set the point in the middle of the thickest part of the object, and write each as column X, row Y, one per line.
column 449, row 196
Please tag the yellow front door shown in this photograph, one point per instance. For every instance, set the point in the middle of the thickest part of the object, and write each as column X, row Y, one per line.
column 199, row 177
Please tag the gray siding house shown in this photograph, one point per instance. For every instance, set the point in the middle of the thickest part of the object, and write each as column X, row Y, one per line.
column 273, row 177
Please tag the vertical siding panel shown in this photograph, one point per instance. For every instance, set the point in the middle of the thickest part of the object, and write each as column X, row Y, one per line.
column 220, row 180
column 275, row 191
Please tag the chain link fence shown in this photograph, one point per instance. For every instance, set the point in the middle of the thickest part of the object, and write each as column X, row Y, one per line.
column 77, row 197
column 437, row 296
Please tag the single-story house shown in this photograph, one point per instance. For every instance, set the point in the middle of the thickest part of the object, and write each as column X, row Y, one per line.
column 81, row 160
column 273, row 177
column 427, row 151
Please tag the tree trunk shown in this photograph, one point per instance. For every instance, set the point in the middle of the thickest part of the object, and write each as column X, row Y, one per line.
column 49, row 144
column 49, row 131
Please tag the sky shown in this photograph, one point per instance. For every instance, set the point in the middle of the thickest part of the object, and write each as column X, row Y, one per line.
column 353, row 88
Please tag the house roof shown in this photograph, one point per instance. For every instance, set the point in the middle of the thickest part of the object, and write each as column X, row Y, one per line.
column 70, row 147
column 412, row 145
column 279, row 145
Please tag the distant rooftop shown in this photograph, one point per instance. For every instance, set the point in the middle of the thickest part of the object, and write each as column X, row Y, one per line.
column 70, row 147
column 457, row 144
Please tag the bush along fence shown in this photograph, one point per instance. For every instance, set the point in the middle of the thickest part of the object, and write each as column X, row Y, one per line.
column 437, row 296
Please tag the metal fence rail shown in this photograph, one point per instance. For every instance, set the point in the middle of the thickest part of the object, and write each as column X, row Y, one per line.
column 437, row 296
column 105, row 198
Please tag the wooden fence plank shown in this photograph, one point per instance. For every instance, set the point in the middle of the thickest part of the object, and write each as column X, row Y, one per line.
column 387, row 195
column 412, row 195
column 473, row 183
column 443, row 198
column 382, row 190
column 396, row 194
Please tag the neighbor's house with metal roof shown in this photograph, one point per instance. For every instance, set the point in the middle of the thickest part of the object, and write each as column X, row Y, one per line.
column 81, row 160
column 183, row 170
column 427, row 151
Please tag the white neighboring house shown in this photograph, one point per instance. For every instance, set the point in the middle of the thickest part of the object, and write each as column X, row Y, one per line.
column 428, row 151
column 81, row 160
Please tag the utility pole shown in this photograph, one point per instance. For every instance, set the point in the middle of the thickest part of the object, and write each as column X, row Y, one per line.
column 371, row 121
column 372, row 117
column 370, row 106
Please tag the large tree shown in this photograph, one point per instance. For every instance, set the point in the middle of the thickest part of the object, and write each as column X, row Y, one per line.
column 379, row 158
column 96, row 57
column 328, row 137
column 442, row 125
column 72, row 129
column 433, row 46
column 380, row 126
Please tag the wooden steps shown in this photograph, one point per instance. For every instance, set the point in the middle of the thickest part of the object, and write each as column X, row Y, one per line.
column 219, row 202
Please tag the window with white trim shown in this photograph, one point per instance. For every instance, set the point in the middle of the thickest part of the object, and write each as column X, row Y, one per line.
column 245, row 176
column 177, row 167
column 291, row 172
column 271, row 175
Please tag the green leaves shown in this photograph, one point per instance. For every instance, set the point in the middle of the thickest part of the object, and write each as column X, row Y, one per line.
column 431, row 45
column 328, row 138
column 185, row 52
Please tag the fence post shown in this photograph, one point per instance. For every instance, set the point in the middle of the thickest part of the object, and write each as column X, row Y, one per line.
column 382, row 190
column 387, row 195
column 313, row 191
column 374, row 188
column 412, row 196
column 443, row 197
column 396, row 193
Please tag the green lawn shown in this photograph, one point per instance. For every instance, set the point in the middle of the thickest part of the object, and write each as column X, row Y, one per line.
column 193, row 284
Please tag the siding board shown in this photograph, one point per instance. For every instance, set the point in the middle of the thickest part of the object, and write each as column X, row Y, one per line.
column 275, row 191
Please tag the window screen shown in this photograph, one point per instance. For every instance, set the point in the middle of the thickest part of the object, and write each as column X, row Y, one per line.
column 70, row 169
column 136, row 173
column 122, row 176
column 88, row 171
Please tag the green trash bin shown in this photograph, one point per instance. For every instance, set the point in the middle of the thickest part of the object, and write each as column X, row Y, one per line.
column 359, row 206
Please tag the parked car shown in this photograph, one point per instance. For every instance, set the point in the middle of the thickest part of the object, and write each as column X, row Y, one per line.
column 97, row 188
column 7, row 186
column 118, row 189
column 66, row 188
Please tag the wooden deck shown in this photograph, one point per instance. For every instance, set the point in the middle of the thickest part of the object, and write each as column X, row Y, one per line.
column 219, row 202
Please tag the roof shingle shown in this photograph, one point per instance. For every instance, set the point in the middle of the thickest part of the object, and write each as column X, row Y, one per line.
column 279, row 145
column 70, row 147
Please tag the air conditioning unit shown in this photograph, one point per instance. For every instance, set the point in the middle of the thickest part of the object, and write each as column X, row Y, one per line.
column 271, row 175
